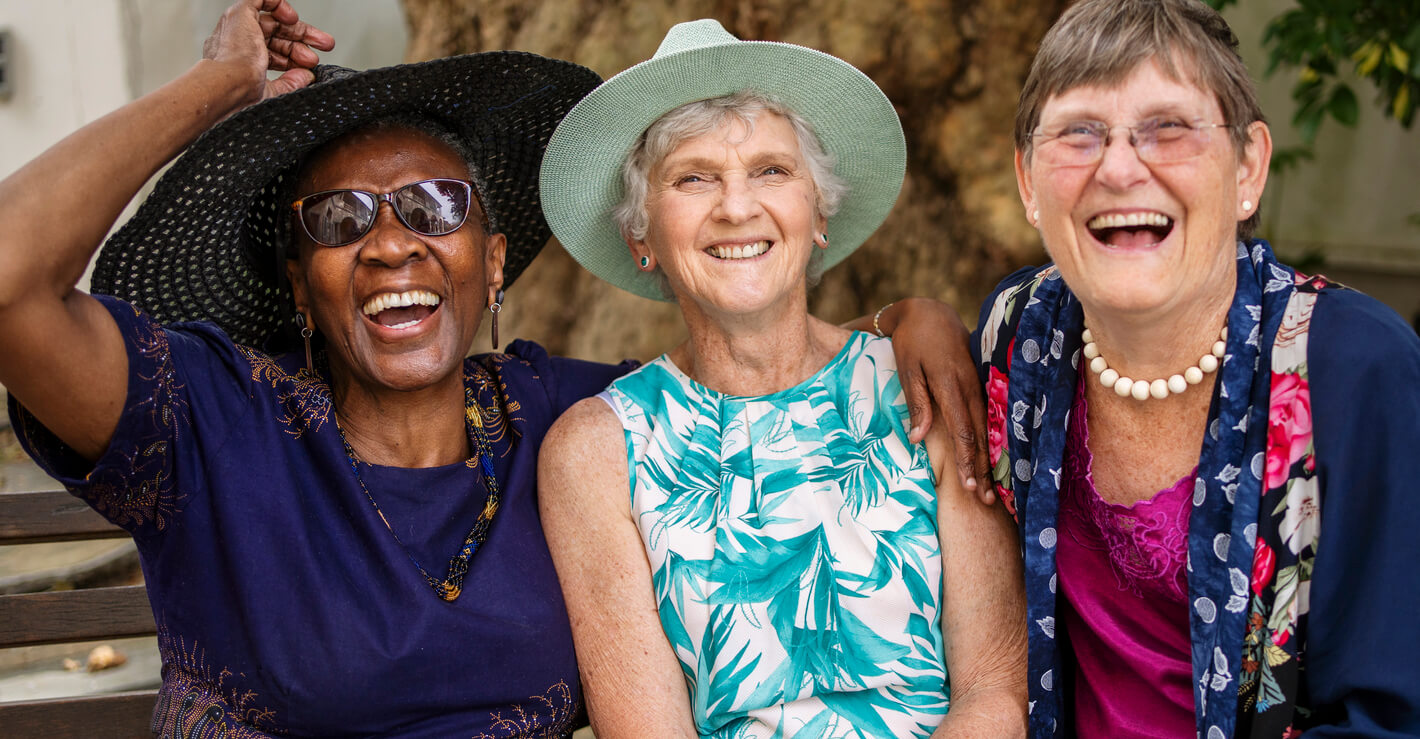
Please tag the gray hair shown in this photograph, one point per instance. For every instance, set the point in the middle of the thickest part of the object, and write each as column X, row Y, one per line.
column 1101, row 42
column 699, row 118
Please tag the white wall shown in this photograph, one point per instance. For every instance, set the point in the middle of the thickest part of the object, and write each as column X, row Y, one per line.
column 71, row 61
column 1352, row 203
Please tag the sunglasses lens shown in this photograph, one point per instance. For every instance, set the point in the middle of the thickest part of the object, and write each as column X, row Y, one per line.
column 433, row 207
column 338, row 217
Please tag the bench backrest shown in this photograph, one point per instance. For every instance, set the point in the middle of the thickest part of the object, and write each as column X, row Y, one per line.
column 33, row 619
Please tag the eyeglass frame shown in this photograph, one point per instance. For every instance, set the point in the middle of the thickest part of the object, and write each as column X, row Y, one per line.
column 1103, row 133
column 470, row 189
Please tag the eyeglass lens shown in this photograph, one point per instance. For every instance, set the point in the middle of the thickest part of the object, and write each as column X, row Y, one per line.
column 431, row 208
column 1156, row 140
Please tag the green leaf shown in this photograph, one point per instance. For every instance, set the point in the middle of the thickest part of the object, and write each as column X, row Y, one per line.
column 1343, row 106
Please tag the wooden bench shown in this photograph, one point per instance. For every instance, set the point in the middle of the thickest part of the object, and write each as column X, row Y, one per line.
column 33, row 619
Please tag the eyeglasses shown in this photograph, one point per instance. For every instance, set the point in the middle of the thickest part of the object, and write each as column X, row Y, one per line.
column 339, row 217
column 1156, row 141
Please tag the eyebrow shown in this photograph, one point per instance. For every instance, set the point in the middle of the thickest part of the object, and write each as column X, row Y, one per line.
column 1154, row 110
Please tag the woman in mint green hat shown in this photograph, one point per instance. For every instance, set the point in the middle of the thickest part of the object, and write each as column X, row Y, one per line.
column 749, row 543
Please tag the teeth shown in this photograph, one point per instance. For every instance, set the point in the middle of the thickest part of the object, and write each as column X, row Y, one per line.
column 385, row 301
column 1125, row 220
column 742, row 251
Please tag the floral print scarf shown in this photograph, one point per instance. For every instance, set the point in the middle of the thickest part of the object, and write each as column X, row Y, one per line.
column 1255, row 505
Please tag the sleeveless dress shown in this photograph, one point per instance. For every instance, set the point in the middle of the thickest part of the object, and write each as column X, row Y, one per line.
column 793, row 545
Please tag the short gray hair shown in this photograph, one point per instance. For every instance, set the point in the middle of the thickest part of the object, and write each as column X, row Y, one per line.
column 1102, row 42
column 701, row 117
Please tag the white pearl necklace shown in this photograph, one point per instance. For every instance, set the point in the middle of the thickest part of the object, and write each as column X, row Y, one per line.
column 1160, row 388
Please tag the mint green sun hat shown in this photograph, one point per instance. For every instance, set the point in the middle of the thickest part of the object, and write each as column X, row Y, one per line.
column 854, row 120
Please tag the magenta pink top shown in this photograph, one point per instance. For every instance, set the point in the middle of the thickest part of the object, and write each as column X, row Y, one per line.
column 1125, row 605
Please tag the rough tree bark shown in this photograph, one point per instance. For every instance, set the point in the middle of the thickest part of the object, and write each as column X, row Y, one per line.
column 953, row 68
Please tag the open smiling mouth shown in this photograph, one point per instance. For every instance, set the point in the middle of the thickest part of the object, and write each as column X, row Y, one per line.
column 1130, row 229
column 401, row 310
column 740, row 251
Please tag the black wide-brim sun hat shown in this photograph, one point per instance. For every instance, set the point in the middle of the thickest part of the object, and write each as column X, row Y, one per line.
column 205, row 243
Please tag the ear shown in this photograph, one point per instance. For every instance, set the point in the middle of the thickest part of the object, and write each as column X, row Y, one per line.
column 1253, row 167
column 495, row 254
column 1025, row 186
column 296, row 276
column 639, row 249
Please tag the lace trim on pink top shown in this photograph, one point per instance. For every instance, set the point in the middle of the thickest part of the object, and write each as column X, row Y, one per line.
column 1147, row 542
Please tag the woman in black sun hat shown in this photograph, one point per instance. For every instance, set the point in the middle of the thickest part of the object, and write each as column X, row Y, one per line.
column 334, row 507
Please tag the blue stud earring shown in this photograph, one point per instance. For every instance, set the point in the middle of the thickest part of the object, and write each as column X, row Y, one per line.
column 645, row 263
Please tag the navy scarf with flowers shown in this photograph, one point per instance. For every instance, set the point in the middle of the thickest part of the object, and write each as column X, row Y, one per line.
column 1246, row 632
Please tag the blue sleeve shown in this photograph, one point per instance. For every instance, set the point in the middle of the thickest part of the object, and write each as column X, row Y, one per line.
column 1362, row 652
column 568, row 380
column 175, row 373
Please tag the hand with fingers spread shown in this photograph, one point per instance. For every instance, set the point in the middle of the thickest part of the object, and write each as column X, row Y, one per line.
column 265, row 35
column 940, row 381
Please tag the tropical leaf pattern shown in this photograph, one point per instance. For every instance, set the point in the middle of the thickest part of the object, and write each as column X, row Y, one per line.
column 793, row 546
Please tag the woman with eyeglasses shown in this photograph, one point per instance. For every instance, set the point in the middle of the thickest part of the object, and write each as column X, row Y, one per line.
column 335, row 509
column 1209, row 453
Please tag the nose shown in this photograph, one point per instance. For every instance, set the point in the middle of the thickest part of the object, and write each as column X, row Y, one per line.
column 738, row 200
column 1120, row 166
column 389, row 242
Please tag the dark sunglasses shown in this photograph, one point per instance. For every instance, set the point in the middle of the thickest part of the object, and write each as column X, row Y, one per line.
column 339, row 217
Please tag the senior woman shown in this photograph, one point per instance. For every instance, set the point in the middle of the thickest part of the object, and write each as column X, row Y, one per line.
column 341, row 540
column 748, row 543
column 334, row 508
column 1208, row 452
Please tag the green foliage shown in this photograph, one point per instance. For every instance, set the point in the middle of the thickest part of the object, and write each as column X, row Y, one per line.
column 1379, row 40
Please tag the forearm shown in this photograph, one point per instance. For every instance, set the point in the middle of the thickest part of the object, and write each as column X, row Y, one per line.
column 885, row 320
column 55, row 210
column 988, row 713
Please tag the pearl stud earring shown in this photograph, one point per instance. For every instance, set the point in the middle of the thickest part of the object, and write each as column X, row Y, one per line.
column 1247, row 205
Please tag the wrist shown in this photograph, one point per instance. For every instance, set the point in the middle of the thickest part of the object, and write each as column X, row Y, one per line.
column 881, row 327
column 223, row 87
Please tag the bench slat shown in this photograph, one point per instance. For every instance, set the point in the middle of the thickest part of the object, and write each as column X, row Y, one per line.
column 50, row 515
column 75, row 615
column 118, row 715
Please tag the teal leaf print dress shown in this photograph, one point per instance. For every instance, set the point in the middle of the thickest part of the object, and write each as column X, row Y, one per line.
column 793, row 546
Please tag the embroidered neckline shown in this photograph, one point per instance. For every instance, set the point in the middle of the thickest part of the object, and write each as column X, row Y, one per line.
column 1146, row 543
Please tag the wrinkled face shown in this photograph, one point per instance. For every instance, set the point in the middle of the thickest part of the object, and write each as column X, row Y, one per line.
column 733, row 218
column 398, row 309
column 1136, row 237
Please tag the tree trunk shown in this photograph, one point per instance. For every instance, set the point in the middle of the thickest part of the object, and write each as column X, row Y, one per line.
column 953, row 69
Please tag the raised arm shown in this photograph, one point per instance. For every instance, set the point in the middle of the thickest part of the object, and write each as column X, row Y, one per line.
column 939, row 379
column 60, row 351
column 983, row 611
column 632, row 680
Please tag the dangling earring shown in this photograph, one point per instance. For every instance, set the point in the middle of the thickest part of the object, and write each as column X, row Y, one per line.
column 306, row 334
column 645, row 263
column 495, row 309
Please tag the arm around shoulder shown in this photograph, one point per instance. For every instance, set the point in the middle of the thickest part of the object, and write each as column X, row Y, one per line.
column 983, row 611
column 632, row 679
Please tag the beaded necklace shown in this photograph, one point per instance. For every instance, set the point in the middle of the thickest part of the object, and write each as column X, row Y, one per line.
column 452, row 584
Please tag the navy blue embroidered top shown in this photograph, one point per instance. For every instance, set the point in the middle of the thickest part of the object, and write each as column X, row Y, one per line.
column 283, row 603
